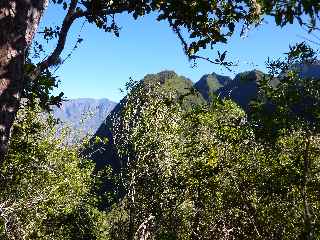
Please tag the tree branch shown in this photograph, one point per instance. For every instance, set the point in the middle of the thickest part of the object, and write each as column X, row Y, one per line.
column 227, row 65
column 178, row 32
column 70, row 17
column 185, row 46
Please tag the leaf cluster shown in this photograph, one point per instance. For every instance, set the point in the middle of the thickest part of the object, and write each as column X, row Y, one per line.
column 46, row 186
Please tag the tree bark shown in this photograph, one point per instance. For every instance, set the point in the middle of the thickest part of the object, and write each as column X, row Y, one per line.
column 19, row 20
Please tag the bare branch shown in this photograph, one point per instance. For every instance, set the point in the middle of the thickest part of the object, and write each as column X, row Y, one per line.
column 69, row 19
column 79, row 40
column 227, row 65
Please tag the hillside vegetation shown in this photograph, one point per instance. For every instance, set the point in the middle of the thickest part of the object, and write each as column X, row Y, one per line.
column 220, row 170
column 176, row 165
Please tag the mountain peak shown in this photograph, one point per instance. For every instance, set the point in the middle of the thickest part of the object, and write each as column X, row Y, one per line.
column 249, row 76
column 210, row 83
column 160, row 77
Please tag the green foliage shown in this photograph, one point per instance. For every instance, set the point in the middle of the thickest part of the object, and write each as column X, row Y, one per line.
column 172, row 163
column 198, row 172
column 46, row 185
column 190, row 173
column 293, row 102
column 38, row 91
column 208, row 172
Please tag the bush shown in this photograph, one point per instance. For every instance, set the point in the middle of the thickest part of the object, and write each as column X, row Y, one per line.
column 46, row 186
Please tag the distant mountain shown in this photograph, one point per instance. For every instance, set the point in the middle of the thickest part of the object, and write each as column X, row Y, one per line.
column 242, row 89
column 168, row 80
column 84, row 113
column 181, row 85
column 210, row 84
column 308, row 70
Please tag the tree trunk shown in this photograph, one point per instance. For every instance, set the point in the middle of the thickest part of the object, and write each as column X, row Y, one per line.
column 19, row 20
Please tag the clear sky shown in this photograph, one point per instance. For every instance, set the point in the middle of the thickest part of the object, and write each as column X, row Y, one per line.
column 103, row 63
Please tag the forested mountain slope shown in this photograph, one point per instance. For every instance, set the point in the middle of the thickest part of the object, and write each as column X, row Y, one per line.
column 242, row 90
column 210, row 83
column 181, row 87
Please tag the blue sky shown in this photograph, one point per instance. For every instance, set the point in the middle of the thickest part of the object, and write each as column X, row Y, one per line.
column 103, row 63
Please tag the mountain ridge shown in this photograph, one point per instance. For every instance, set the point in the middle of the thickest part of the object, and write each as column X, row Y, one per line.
column 241, row 89
column 84, row 113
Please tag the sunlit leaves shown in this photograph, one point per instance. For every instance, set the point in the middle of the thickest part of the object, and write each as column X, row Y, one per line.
column 46, row 185
column 212, row 172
